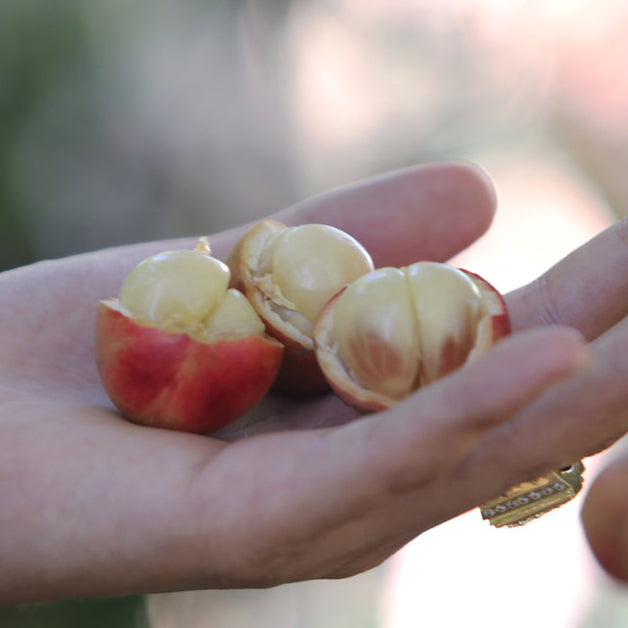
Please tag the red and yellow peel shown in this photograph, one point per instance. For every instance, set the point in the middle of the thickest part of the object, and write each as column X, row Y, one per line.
column 174, row 381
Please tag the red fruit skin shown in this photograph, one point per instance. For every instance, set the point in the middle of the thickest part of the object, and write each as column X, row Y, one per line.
column 299, row 373
column 496, row 326
column 173, row 381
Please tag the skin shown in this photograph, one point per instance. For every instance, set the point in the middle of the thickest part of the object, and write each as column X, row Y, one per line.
column 94, row 505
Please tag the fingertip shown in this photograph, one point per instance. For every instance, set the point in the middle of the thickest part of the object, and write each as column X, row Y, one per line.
column 604, row 517
column 469, row 192
column 478, row 180
column 424, row 211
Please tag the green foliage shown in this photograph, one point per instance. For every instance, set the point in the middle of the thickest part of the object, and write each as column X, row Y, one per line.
column 40, row 45
column 125, row 612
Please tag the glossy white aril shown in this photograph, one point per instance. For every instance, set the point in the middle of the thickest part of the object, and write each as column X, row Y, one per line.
column 398, row 329
column 308, row 264
column 187, row 290
column 447, row 307
column 376, row 332
column 234, row 316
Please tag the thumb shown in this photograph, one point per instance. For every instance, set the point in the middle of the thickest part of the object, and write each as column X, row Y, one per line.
column 605, row 519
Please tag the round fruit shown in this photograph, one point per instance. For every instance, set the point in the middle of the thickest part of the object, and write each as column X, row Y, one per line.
column 179, row 349
column 397, row 329
column 288, row 274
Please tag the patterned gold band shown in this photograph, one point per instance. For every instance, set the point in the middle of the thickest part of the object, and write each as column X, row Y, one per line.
column 529, row 500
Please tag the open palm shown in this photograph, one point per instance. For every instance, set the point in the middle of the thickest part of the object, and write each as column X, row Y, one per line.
column 94, row 505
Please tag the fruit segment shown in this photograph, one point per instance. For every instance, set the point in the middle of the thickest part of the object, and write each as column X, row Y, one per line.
column 233, row 317
column 309, row 264
column 288, row 274
column 376, row 332
column 393, row 331
column 447, row 308
column 182, row 286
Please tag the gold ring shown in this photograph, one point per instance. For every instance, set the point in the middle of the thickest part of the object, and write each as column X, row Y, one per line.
column 529, row 500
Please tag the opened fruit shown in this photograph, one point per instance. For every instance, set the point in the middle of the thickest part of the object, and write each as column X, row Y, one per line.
column 395, row 330
column 289, row 274
column 181, row 350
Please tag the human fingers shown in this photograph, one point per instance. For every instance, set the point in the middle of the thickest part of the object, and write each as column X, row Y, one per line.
column 126, row 509
column 421, row 212
column 585, row 290
column 464, row 407
column 575, row 419
column 343, row 499
column 605, row 518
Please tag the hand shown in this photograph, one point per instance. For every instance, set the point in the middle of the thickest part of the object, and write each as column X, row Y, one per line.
column 94, row 505
column 588, row 290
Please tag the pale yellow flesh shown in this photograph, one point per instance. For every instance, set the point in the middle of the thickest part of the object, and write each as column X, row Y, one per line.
column 233, row 316
column 375, row 331
column 447, row 307
column 303, row 267
column 394, row 327
column 187, row 290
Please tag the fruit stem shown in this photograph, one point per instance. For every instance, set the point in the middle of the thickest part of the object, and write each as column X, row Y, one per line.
column 203, row 248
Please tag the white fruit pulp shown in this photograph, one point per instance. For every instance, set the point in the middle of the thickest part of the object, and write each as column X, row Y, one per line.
column 310, row 263
column 393, row 328
column 188, row 290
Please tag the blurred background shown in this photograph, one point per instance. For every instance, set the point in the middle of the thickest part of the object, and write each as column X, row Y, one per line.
column 122, row 122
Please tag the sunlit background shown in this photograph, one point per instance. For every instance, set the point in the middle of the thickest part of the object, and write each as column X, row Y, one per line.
column 128, row 121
